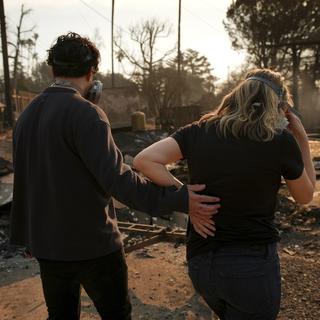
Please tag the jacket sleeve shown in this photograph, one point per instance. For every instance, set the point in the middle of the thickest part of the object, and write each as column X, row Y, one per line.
column 96, row 147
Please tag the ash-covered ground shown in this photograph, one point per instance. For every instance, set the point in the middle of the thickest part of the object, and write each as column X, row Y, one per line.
column 159, row 285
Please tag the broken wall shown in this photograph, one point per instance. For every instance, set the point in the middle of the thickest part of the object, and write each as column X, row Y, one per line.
column 119, row 104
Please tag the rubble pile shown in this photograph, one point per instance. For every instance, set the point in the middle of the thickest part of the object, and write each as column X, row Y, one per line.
column 299, row 251
column 291, row 216
column 131, row 143
column 7, row 251
column 6, row 167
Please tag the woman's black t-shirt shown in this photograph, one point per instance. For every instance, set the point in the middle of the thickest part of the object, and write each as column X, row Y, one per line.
column 245, row 175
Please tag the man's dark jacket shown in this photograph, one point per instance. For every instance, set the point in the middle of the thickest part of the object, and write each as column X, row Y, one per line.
column 66, row 169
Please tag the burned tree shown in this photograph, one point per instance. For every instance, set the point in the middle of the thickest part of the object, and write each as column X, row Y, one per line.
column 280, row 34
column 155, row 73
column 26, row 39
column 146, row 59
column 265, row 29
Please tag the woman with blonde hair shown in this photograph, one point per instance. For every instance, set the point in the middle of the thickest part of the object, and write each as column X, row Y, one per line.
column 240, row 152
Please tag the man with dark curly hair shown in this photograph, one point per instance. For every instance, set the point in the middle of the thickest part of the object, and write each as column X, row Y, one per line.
column 67, row 168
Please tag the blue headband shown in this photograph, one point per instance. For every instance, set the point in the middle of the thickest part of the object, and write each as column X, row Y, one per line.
column 277, row 89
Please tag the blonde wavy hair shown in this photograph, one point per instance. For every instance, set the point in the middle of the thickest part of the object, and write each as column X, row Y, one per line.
column 252, row 109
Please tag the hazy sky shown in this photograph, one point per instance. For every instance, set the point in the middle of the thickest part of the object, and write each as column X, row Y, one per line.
column 201, row 26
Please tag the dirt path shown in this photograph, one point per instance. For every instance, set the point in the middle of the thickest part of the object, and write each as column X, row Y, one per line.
column 160, row 288
column 159, row 285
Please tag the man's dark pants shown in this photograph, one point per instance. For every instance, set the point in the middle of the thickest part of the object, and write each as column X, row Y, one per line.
column 239, row 282
column 105, row 280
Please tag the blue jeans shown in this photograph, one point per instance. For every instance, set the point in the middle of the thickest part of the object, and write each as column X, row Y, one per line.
column 240, row 282
column 105, row 280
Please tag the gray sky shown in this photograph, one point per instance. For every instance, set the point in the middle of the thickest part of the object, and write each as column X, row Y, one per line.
column 201, row 26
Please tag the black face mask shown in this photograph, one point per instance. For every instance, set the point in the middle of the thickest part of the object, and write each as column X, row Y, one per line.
column 94, row 92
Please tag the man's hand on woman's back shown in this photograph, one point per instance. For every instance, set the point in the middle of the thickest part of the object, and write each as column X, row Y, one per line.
column 201, row 212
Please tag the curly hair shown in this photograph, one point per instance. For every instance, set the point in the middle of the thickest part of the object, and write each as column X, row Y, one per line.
column 73, row 56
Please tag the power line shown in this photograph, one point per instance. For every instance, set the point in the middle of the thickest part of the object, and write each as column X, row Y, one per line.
column 110, row 21
column 203, row 20
column 95, row 10
column 102, row 16
column 214, row 7
column 84, row 18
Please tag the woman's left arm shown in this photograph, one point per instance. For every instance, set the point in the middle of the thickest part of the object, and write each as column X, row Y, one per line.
column 152, row 162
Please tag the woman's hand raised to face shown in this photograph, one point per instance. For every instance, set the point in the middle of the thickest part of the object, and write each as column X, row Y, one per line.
column 303, row 187
column 201, row 212
column 295, row 125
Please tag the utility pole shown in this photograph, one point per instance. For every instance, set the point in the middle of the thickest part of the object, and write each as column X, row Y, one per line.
column 112, row 36
column 179, row 56
column 8, row 111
